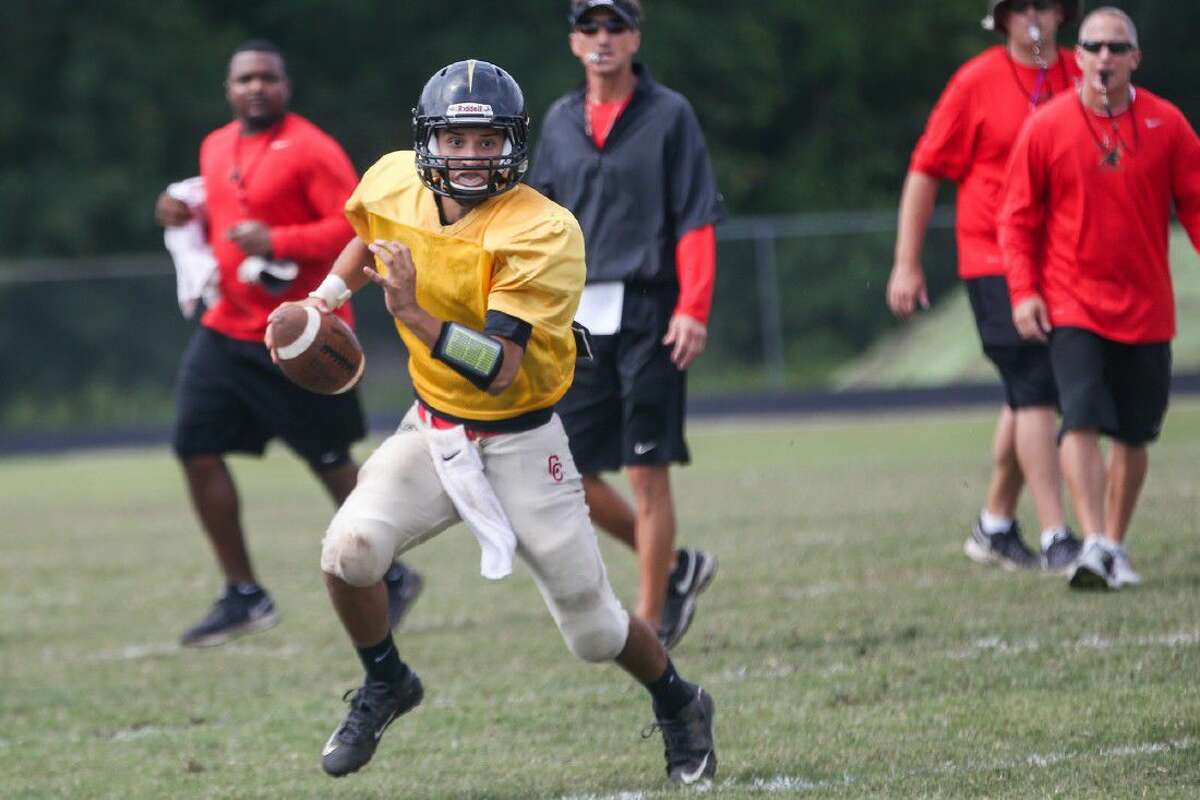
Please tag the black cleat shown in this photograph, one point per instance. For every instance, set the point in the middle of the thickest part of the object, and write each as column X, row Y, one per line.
column 404, row 586
column 1005, row 549
column 373, row 707
column 1059, row 557
column 694, row 570
column 234, row 614
column 688, row 741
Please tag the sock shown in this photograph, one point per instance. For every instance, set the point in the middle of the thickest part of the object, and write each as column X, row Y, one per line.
column 993, row 524
column 670, row 692
column 1048, row 535
column 382, row 662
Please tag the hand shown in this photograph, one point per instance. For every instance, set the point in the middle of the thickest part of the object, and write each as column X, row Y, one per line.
column 268, row 338
column 252, row 236
column 171, row 212
column 906, row 291
column 686, row 336
column 400, row 284
column 1032, row 319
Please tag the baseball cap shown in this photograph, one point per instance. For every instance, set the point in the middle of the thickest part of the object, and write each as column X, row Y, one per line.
column 629, row 12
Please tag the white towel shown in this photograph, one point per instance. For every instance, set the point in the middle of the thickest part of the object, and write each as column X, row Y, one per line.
column 460, row 469
column 274, row 275
column 195, row 266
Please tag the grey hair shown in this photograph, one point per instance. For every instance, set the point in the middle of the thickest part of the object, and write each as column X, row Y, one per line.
column 1113, row 11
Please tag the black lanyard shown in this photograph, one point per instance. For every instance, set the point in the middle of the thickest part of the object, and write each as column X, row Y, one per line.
column 241, row 177
column 1112, row 155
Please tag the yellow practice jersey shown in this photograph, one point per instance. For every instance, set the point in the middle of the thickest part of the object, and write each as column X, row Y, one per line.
column 519, row 253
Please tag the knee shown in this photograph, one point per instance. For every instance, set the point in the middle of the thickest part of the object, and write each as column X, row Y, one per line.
column 594, row 634
column 357, row 551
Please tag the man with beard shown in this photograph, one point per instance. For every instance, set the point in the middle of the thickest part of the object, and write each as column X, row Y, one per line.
column 275, row 185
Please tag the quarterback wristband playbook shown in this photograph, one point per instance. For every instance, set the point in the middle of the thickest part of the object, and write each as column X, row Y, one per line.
column 472, row 354
column 333, row 291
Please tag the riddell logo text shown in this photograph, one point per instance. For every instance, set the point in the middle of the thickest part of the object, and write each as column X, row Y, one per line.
column 469, row 110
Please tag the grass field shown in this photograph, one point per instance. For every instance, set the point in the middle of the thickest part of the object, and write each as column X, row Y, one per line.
column 852, row 650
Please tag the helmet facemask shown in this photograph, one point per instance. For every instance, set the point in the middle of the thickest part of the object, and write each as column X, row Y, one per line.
column 503, row 172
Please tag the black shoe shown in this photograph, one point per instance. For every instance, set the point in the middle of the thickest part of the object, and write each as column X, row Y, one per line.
column 404, row 586
column 688, row 740
column 373, row 707
column 1059, row 557
column 694, row 570
column 1005, row 549
column 234, row 614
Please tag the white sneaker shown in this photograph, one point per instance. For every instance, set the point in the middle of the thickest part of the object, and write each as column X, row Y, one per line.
column 1094, row 567
column 1122, row 570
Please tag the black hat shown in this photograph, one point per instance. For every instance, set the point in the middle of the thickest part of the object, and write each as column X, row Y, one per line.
column 629, row 12
column 997, row 14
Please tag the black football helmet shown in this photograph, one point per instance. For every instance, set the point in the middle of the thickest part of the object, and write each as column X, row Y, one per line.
column 471, row 94
column 997, row 14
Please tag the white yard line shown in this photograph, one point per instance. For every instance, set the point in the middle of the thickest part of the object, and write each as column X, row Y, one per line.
column 795, row 784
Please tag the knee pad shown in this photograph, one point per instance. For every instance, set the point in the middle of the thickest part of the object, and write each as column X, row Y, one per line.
column 593, row 623
column 359, row 551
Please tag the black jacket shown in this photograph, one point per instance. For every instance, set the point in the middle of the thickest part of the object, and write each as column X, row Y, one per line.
column 652, row 183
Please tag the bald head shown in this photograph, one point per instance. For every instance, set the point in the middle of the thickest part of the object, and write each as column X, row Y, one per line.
column 1107, row 12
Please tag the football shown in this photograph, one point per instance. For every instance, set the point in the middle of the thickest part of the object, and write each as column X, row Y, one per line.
column 317, row 351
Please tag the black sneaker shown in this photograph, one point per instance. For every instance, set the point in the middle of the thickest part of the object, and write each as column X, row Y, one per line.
column 1059, row 556
column 234, row 614
column 694, row 570
column 404, row 586
column 688, row 740
column 373, row 707
column 1006, row 549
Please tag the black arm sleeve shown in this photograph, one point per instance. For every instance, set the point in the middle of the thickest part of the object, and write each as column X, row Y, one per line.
column 506, row 326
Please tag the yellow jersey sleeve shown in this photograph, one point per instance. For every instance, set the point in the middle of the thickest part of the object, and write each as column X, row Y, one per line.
column 539, row 273
column 386, row 178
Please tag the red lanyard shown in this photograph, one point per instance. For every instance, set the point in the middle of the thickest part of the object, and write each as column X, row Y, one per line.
column 241, row 177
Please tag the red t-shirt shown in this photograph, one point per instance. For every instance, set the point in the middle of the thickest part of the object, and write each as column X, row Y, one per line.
column 296, row 179
column 1105, row 226
column 968, row 138
column 696, row 250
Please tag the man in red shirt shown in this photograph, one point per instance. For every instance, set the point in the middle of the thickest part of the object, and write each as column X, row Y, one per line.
column 967, row 140
column 1084, row 232
column 275, row 186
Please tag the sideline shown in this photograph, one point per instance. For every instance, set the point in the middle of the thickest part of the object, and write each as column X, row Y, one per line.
column 760, row 404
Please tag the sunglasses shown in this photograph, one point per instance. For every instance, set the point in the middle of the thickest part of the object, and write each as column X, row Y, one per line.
column 1017, row 6
column 592, row 27
column 1116, row 48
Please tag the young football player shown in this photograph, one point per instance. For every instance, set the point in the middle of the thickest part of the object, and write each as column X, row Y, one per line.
column 483, row 276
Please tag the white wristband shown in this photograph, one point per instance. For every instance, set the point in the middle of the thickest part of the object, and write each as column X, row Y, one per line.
column 333, row 290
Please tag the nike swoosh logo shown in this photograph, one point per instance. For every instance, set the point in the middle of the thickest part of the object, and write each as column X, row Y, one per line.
column 641, row 448
column 691, row 777
column 451, row 456
column 330, row 745
column 684, row 585
column 384, row 726
column 385, row 655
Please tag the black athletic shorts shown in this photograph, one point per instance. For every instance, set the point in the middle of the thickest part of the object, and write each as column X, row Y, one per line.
column 1024, row 366
column 1118, row 389
column 230, row 397
column 626, row 406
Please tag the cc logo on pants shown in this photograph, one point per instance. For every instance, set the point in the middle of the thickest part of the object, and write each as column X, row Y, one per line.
column 556, row 469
